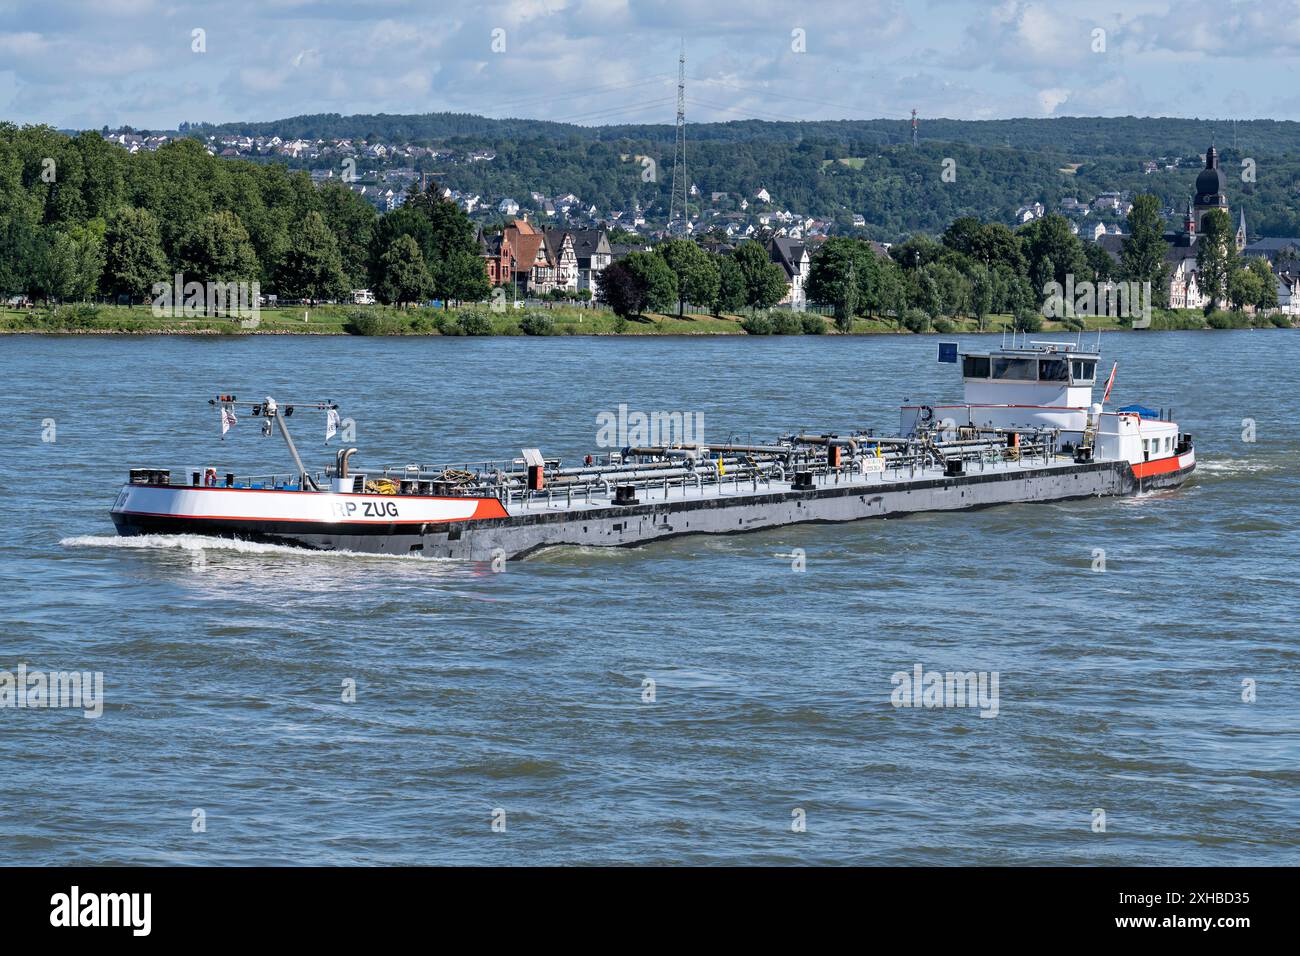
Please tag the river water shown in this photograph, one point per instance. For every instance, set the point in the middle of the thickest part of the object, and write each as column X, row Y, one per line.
column 690, row 701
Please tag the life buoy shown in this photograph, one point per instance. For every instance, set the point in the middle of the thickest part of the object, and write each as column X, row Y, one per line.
column 927, row 414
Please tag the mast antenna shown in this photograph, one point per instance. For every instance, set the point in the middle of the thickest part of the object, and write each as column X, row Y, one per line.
column 679, row 149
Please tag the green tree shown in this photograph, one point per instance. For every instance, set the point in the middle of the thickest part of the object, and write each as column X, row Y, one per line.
column 21, row 244
column 88, row 248
column 402, row 221
column 217, row 249
column 764, row 281
column 843, row 275
column 311, row 267
column 981, row 280
column 445, row 236
column 1053, row 253
column 1143, row 250
column 460, row 275
column 930, row 293
column 965, row 235
column 916, row 251
column 946, row 290
column 985, row 243
column 403, row 277
column 1267, row 298
column 889, row 295
column 56, row 270
column 698, row 277
column 133, row 256
column 640, row 282
column 731, row 286
column 352, row 221
column 1101, row 267
column 653, row 276
column 1216, row 257
column 1244, row 288
column 832, row 279
column 617, row 288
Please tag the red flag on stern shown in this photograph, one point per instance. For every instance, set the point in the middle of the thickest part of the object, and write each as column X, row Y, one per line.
column 1109, row 382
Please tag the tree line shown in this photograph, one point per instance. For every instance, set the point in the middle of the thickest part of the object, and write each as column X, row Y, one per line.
column 974, row 269
column 83, row 219
column 1148, row 137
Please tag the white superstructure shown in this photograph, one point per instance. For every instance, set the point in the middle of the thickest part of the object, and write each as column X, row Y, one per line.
column 1039, row 385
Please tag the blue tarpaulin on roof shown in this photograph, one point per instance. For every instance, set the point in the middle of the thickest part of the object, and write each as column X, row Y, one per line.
column 1141, row 410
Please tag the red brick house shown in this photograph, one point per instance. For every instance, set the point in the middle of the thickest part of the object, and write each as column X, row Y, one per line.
column 498, row 257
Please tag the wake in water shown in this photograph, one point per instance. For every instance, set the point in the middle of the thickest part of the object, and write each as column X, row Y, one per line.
column 1236, row 466
column 200, row 543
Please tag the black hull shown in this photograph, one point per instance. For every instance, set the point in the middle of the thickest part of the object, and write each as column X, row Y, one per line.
column 384, row 539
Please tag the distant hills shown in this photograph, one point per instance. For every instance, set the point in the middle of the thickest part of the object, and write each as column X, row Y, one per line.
column 839, row 169
column 1076, row 136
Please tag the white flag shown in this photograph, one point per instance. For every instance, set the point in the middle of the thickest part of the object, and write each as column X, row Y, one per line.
column 331, row 423
column 227, row 419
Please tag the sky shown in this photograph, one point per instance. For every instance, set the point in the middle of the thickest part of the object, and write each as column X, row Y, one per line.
column 154, row 63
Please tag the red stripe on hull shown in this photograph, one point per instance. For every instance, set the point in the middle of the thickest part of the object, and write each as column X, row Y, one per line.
column 1158, row 467
column 490, row 508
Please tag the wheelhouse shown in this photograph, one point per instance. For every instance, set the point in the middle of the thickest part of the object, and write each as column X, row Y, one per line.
column 1020, row 366
column 1027, row 386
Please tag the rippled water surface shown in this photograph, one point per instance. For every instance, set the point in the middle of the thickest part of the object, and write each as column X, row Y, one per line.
column 522, row 691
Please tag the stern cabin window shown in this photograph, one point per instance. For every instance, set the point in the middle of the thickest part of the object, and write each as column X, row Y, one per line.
column 975, row 366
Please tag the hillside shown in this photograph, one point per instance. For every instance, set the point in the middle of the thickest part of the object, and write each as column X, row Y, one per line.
column 838, row 169
column 1076, row 136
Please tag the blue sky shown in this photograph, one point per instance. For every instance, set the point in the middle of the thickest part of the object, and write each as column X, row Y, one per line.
column 85, row 64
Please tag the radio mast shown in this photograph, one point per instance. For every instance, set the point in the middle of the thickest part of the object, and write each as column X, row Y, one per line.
column 679, row 150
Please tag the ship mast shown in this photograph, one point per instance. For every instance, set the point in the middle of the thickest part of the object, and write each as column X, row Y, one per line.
column 275, row 415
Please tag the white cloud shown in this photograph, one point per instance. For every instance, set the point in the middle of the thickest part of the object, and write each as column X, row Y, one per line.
column 1049, row 100
column 615, row 60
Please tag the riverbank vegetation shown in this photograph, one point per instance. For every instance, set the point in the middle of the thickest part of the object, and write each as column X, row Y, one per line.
column 472, row 321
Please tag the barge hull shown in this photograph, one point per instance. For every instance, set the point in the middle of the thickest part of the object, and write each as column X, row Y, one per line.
column 743, row 511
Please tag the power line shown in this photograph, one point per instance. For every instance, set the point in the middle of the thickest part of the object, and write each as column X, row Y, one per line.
column 610, row 112
column 658, row 78
column 802, row 99
column 749, row 112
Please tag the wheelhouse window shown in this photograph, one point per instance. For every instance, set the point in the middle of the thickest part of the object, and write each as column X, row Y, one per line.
column 1014, row 369
column 1084, row 371
column 975, row 366
column 1053, row 370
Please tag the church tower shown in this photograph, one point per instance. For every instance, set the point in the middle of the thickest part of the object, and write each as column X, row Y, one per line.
column 1241, row 231
column 1209, row 189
